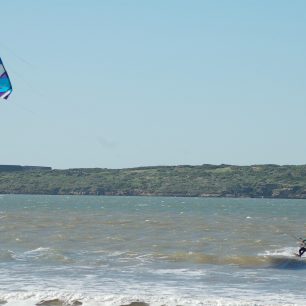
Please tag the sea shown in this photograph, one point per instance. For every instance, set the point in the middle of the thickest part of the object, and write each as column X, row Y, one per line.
column 156, row 251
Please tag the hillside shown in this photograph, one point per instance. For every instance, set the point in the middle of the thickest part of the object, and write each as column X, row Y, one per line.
column 271, row 181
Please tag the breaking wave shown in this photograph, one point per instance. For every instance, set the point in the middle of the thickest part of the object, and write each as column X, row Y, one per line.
column 74, row 299
column 282, row 259
column 39, row 254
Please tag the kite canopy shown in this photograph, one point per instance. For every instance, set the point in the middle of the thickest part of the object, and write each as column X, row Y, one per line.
column 5, row 84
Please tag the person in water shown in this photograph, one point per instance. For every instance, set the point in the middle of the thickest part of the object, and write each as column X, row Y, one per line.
column 302, row 249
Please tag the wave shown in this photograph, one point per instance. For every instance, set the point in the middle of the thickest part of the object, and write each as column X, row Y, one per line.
column 41, row 298
column 74, row 299
column 287, row 263
column 286, row 251
column 201, row 258
column 281, row 259
column 284, row 258
column 39, row 254
column 6, row 255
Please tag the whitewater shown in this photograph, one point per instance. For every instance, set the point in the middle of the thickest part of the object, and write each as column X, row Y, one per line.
column 113, row 251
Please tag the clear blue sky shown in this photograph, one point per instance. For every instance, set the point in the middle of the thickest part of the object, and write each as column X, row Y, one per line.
column 135, row 83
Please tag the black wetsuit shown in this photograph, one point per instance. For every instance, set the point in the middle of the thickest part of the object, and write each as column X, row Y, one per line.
column 302, row 249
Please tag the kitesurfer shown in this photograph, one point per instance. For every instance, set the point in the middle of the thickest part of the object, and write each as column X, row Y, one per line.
column 302, row 249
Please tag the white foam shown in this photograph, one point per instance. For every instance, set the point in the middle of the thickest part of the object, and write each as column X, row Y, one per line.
column 248, row 299
column 32, row 254
column 287, row 252
column 180, row 272
column 38, row 250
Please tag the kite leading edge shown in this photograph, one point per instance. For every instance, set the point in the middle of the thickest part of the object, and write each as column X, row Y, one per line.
column 5, row 83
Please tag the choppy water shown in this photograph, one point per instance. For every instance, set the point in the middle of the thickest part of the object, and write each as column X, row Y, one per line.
column 161, row 251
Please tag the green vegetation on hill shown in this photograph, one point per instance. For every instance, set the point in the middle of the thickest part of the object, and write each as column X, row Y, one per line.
column 270, row 181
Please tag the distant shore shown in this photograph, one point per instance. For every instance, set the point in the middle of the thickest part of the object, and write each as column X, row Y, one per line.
column 256, row 181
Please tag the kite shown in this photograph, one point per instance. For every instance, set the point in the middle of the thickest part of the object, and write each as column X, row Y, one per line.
column 5, row 83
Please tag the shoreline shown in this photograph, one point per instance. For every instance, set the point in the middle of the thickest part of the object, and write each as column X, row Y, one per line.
column 150, row 196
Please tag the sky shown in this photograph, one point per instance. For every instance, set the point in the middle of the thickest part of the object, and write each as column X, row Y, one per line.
column 119, row 84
